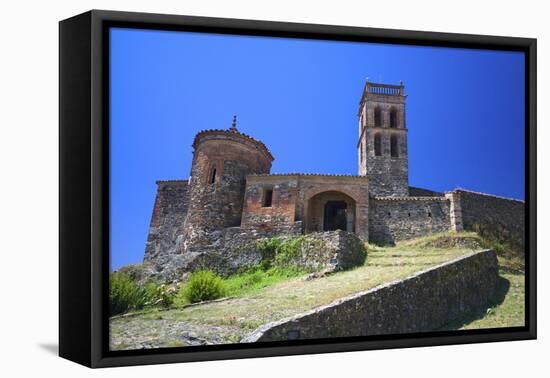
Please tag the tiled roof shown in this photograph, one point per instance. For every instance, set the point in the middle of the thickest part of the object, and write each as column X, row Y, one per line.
column 233, row 132
column 172, row 181
column 305, row 174
column 387, row 198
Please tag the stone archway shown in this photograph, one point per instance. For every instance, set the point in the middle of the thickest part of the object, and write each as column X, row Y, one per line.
column 330, row 210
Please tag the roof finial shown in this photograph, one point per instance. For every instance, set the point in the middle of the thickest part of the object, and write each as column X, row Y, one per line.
column 234, row 124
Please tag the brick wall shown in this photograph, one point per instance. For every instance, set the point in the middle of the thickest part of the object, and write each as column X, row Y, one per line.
column 281, row 214
column 301, row 197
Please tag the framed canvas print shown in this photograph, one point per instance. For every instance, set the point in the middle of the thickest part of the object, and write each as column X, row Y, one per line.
column 234, row 188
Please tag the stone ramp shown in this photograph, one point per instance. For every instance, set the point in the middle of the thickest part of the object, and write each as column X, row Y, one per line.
column 422, row 302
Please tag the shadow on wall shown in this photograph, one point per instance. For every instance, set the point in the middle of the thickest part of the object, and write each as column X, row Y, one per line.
column 381, row 234
column 502, row 289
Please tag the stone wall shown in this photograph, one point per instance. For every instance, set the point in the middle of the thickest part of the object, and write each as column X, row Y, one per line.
column 169, row 212
column 398, row 218
column 501, row 218
column 423, row 302
column 388, row 176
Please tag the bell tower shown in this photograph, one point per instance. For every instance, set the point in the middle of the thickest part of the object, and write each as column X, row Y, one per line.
column 382, row 146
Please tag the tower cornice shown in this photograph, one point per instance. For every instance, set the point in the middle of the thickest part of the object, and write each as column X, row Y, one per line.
column 383, row 93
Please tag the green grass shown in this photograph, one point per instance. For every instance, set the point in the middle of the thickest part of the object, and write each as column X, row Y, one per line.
column 510, row 312
column 240, row 284
column 264, row 295
column 255, row 279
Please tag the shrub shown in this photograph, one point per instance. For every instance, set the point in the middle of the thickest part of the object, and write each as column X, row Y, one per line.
column 279, row 252
column 125, row 294
column 268, row 248
column 203, row 285
column 135, row 271
column 288, row 251
column 159, row 295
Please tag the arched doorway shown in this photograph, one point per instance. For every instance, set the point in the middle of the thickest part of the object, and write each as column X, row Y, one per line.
column 329, row 211
column 335, row 217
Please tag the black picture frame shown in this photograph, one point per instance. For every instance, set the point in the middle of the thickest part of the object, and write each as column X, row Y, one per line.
column 84, row 186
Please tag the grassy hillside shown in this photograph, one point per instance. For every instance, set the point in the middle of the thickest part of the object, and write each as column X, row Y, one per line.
column 227, row 321
column 259, row 298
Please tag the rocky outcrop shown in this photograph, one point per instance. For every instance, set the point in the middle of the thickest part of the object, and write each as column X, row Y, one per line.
column 333, row 250
column 235, row 250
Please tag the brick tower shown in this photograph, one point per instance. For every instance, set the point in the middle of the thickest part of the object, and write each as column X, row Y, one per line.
column 221, row 161
column 382, row 146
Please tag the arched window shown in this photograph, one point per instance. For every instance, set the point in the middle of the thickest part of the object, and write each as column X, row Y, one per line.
column 393, row 118
column 377, row 145
column 213, row 175
column 394, row 146
column 377, row 117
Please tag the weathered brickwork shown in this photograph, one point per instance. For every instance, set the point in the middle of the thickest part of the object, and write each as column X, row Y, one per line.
column 305, row 197
column 221, row 162
column 169, row 214
column 502, row 218
column 281, row 212
column 423, row 302
column 398, row 218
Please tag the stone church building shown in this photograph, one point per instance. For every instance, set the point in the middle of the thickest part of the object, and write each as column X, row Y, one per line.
column 233, row 194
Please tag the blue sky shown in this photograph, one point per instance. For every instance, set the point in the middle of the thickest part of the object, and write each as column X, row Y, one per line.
column 465, row 112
